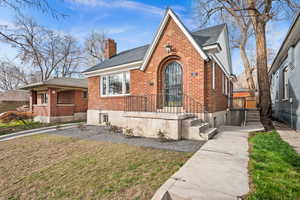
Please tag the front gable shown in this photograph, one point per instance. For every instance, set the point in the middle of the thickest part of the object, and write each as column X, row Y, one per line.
column 170, row 16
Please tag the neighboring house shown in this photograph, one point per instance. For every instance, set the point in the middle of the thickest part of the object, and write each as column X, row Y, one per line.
column 12, row 99
column 58, row 99
column 155, row 87
column 285, row 78
column 243, row 98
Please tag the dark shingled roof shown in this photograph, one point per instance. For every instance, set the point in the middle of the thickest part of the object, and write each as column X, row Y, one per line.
column 203, row 37
column 63, row 82
column 208, row 36
column 123, row 57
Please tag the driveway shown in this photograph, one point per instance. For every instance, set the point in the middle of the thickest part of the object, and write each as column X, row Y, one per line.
column 101, row 133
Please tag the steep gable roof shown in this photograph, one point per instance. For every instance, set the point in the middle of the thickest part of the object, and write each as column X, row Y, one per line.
column 201, row 38
column 171, row 14
column 208, row 36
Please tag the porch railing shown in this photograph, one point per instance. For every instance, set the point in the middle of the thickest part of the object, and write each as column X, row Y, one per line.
column 163, row 103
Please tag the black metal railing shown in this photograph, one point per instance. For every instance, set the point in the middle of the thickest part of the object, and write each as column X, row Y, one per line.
column 164, row 102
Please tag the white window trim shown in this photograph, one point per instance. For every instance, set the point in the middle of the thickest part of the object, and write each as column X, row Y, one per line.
column 213, row 75
column 107, row 85
column 226, row 86
column 285, row 86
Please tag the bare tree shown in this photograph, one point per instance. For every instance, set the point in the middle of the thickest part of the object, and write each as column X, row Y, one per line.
column 94, row 47
column 260, row 12
column 11, row 76
column 46, row 50
column 18, row 5
column 240, row 29
column 72, row 55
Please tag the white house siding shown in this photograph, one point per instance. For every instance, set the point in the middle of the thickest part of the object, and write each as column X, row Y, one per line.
column 224, row 56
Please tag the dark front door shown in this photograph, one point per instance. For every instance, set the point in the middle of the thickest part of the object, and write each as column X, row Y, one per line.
column 173, row 85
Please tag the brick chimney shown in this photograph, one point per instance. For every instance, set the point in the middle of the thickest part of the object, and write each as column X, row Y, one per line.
column 110, row 48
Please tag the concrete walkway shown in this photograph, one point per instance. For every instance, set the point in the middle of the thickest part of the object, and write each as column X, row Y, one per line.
column 35, row 131
column 216, row 171
column 289, row 135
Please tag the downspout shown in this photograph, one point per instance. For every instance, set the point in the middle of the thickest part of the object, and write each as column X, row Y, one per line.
column 291, row 102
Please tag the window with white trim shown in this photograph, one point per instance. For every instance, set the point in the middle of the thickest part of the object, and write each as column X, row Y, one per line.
column 223, row 83
column 115, row 84
column 286, row 83
column 44, row 98
column 213, row 75
column 226, row 86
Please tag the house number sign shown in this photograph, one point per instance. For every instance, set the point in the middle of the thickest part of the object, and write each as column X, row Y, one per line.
column 193, row 74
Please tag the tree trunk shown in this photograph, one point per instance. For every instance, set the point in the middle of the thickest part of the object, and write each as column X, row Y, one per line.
column 262, row 75
column 248, row 73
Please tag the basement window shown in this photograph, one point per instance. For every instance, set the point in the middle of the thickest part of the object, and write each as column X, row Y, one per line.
column 103, row 118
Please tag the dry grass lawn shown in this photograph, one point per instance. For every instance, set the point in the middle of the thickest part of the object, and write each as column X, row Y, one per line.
column 57, row 167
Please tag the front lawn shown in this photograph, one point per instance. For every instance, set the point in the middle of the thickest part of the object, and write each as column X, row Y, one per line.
column 274, row 168
column 57, row 167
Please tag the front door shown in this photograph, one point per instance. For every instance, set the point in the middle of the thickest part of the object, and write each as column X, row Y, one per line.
column 173, row 85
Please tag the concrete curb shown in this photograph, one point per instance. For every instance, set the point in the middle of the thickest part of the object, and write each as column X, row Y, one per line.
column 36, row 131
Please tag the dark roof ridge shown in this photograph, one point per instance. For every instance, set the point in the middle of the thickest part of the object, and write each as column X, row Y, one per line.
column 209, row 27
column 125, row 51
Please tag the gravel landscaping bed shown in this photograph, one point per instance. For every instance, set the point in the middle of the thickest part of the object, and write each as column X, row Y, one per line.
column 101, row 133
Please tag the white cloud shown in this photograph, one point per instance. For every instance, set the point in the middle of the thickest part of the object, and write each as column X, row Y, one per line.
column 6, row 23
column 128, row 4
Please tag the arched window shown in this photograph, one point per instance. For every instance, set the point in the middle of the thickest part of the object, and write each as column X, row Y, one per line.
column 173, row 84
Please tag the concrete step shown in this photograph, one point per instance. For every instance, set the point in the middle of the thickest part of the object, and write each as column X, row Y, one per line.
column 172, row 196
column 209, row 133
column 196, row 131
column 196, row 122
column 254, row 115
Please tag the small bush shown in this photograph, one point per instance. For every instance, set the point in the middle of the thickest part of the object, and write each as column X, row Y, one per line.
column 81, row 126
column 115, row 129
column 128, row 132
column 162, row 135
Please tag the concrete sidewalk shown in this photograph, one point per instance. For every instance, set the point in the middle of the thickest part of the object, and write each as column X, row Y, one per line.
column 217, row 171
column 289, row 135
column 36, row 131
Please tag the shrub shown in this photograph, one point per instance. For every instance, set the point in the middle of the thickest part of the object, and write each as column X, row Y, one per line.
column 162, row 135
column 128, row 132
column 115, row 129
column 10, row 116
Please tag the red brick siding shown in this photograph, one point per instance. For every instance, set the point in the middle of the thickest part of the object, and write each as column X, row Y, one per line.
column 184, row 53
column 52, row 109
column 81, row 104
column 150, row 81
column 40, row 110
column 214, row 98
column 102, row 103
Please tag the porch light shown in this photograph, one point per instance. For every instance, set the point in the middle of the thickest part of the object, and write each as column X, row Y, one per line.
column 168, row 48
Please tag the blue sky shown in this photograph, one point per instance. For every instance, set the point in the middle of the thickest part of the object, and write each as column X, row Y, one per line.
column 130, row 22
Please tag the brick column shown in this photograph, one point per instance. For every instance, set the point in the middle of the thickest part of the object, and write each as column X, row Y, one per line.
column 52, row 101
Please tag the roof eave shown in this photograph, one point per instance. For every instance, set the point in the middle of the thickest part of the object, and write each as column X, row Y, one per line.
column 282, row 44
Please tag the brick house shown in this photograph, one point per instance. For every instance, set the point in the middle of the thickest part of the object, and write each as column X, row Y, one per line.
column 179, row 84
column 58, row 99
